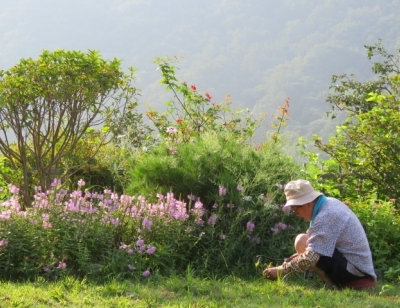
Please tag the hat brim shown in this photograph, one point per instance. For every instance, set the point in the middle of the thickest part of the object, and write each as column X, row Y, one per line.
column 303, row 199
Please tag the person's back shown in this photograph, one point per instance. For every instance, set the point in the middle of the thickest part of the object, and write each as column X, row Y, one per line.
column 336, row 226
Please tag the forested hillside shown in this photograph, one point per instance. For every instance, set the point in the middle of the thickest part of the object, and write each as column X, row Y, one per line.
column 260, row 52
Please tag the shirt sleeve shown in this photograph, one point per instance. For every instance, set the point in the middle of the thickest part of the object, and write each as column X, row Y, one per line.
column 301, row 263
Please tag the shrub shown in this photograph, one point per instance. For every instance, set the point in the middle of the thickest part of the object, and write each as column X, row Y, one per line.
column 103, row 235
column 200, row 167
column 382, row 224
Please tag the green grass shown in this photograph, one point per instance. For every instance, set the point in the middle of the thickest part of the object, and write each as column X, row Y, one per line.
column 191, row 292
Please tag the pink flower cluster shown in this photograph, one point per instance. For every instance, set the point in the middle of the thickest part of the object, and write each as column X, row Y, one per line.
column 62, row 265
column 3, row 243
column 278, row 226
column 222, row 190
column 105, row 205
column 250, row 226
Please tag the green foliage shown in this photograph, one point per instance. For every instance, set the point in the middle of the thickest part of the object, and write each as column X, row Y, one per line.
column 326, row 174
column 50, row 103
column 241, row 238
column 3, row 182
column 379, row 216
column 101, row 236
column 194, row 114
column 131, row 133
column 200, row 166
column 38, row 245
column 382, row 224
column 366, row 145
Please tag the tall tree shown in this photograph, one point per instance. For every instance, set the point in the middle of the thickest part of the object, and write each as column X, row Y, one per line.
column 48, row 104
column 367, row 145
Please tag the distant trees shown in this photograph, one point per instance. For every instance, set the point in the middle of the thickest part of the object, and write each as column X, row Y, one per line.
column 49, row 104
column 367, row 144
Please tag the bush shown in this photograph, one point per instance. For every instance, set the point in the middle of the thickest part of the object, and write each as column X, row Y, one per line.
column 382, row 224
column 198, row 168
column 105, row 235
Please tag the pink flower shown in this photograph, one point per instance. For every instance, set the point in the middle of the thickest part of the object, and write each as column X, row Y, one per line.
column 250, row 226
column 281, row 225
column 199, row 222
column 151, row 250
column 172, row 130
column 208, row 96
column 114, row 221
column 222, row 236
column 212, row 220
column 56, row 182
column 193, row 87
column 130, row 251
column 142, row 248
column 146, row 273
column 147, row 223
column 13, row 189
column 222, row 190
column 123, row 246
column 172, row 150
column 275, row 230
column 47, row 225
column 286, row 209
column 62, row 265
column 192, row 197
column 239, row 187
column 3, row 243
column 81, row 183
column 140, row 242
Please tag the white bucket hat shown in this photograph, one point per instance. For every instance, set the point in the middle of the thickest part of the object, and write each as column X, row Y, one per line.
column 300, row 192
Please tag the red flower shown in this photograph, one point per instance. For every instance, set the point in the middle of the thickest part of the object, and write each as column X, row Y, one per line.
column 208, row 96
column 193, row 87
column 179, row 121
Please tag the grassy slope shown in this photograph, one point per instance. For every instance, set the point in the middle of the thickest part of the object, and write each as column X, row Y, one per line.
column 190, row 292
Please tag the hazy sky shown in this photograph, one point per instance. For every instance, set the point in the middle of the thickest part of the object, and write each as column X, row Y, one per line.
column 259, row 51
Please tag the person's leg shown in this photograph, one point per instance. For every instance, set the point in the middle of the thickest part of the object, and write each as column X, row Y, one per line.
column 333, row 270
column 300, row 244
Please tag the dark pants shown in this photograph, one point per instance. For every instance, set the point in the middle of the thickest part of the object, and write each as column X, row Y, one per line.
column 335, row 268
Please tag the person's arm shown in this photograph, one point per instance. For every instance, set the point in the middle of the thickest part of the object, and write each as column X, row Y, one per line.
column 301, row 263
column 297, row 263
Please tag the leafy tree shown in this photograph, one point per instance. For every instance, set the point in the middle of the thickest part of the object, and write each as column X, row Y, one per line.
column 367, row 146
column 351, row 95
column 50, row 103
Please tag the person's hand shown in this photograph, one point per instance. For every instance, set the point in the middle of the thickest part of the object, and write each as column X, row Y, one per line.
column 272, row 273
